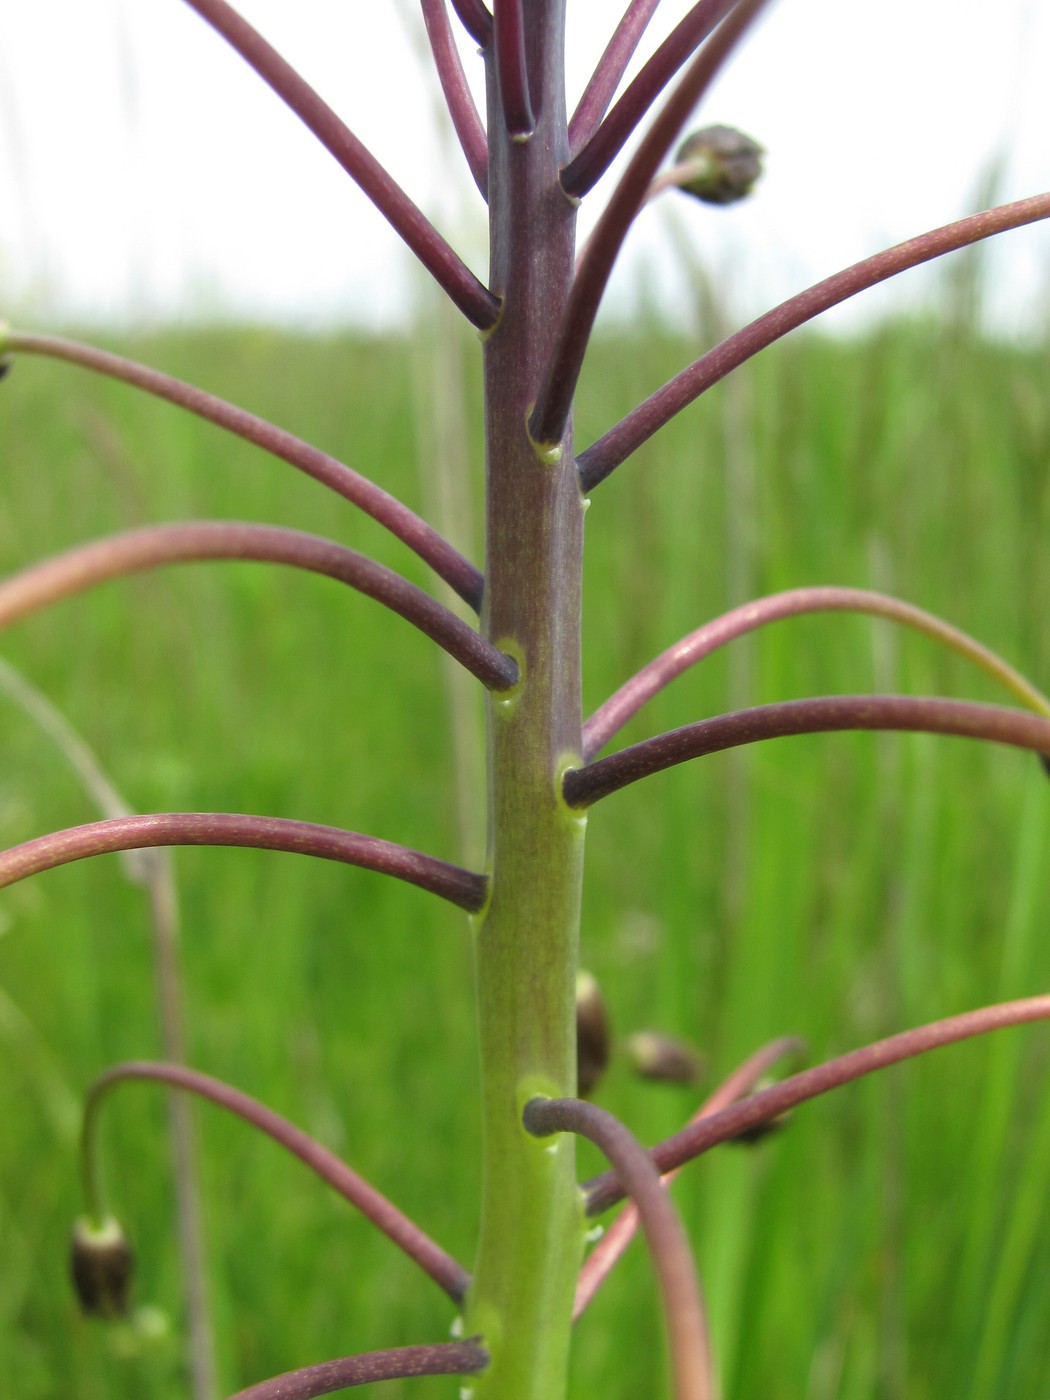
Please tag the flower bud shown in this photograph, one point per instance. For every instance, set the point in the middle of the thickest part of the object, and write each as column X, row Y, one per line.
column 592, row 1035
column 101, row 1259
column 718, row 165
column 664, row 1058
column 1044, row 759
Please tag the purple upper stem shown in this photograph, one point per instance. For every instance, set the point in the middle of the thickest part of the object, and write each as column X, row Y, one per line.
column 403, row 523
column 610, row 68
column 554, row 400
column 672, row 1258
column 154, row 545
column 604, row 144
column 920, row 714
column 604, row 1191
column 435, row 1359
column 475, row 19
column 446, row 267
column 603, row 456
column 509, row 33
column 458, row 98
column 405, row 1233
column 461, row 887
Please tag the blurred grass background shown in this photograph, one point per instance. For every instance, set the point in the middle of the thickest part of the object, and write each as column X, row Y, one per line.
column 895, row 1240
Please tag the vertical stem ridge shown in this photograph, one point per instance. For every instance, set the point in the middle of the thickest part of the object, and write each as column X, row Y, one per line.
column 526, row 939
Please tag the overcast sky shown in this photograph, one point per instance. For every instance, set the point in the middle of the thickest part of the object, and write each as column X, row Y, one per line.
column 144, row 171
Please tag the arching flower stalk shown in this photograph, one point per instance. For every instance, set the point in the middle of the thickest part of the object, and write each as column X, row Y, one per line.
column 395, row 1363
column 431, row 1258
column 391, row 513
column 708, row 1130
column 609, row 1249
column 668, row 1245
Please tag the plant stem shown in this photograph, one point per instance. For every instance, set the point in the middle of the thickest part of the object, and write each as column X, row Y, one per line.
column 391, row 513
column 437, row 1359
column 606, row 142
column 196, row 540
column 672, row 1258
column 619, row 1234
column 456, row 91
column 610, row 717
column 441, row 261
column 609, row 72
column 825, row 714
column 475, row 19
column 554, row 401
column 526, row 939
column 155, row 871
column 699, row 1137
column 615, row 446
column 139, row 832
column 509, row 35
column 383, row 1214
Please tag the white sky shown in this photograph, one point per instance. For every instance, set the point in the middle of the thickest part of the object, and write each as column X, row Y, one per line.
column 144, row 171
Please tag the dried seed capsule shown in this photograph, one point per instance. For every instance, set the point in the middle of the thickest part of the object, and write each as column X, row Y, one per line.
column 665, row 1058
column 102, row 1260
column 718, row 165
column 592, row 1034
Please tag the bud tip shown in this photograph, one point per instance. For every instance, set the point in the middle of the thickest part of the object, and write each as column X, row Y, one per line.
column 663, row 1058
column 592, row 1034
column 718, row 164
column 101, row 1262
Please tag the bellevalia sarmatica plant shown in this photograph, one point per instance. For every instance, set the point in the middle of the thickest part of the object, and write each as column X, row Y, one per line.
column 534, row 313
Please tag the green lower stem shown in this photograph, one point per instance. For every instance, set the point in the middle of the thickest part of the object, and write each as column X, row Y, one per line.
column 532, row 1223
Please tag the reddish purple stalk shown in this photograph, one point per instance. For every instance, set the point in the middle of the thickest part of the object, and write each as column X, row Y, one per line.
column 605, row 455
column 604, row 1191
column 387, row 510
column 610, row 1248
column 384, row 1215
column 554, row 400
column 622, row 706
column 671, row 1255
column 135, row 833
column 446, row 267
column 609, row 71
column 604, row 145
column 919, row 714
column 509, row 35
column 395, row 1363
column 194, row 541
column 458, row 99
column 476, row 20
